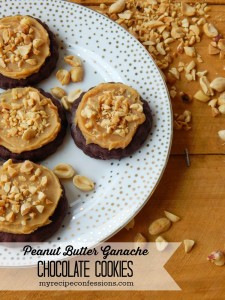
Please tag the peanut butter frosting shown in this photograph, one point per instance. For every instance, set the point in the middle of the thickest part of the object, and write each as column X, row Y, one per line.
column 24, row 46
column 29, row 195
column 109, row 115
column 28, row 120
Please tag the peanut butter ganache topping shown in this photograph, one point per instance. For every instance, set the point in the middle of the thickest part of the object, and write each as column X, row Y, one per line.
column 109, row 115
column 28, row 120
column 24, row 46
column 29, row 195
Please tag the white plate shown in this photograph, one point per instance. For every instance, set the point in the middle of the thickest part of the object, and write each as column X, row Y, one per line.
column 109, row 53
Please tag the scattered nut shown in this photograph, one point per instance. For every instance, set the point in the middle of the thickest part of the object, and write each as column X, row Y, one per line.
column 195, row 29
column 213, row 103
column 32, row 61
column 190, row 66
column 189, row 77
column 2, row 63
column 170, row 78
column 24, row 50
column 41, row 196
column 126, row 15
column 173, row 93
column 25, row 208
column 221, row 99
column 16, row 208
column 14, row 189
column 40, row 208
column 200, row 96
column 103, row 6
column 181, row 121
column 159, row 226
column 7, row 186
column 160, row 49
column 218, row 84
column 201, row 73
column 215, row 111
column 73, row 61
column 217, row 257
column 34, row 95
column 177, row 32
column 199, row 58
column 210, row 30
column 173, row 218
column 139, row 240
column 12, row 172
column 38, row 43
column 10, row 216
column 28, row 134
column 175, row 73
column 190, row 51
column 65, row 103
column 77, row 74
column 83, row 183
column 188, row 245
column 161, row 243
column 23, row 222
column 26, row 167
column 221, row 109
column 74, row 95
column 117, row 7
column 58, row 92
column 130, row 225
column 187, row 9
column 221, row 134
column 7, row 163
column 32, row 189
column 168, row 41
column 213, row 50
column 47, row 201
column 4, row 178
column 64, row 171
column 63, row 76
column 206, row 86
column 44, row 181
column 180, row 47
column 221, row 44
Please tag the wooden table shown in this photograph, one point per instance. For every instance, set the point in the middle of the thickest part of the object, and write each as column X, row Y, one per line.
column 196, row 193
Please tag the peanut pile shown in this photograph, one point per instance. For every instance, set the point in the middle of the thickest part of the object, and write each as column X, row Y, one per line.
column 168, row 30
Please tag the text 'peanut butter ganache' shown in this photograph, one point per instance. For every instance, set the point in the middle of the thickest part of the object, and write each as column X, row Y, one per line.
column 32, row 202
column 32, row 124
column 110, row 121
column 28, row 51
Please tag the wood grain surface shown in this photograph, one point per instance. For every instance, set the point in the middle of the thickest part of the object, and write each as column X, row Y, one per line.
column 196, row 193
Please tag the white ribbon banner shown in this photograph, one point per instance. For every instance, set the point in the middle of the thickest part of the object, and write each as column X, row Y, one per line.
column 108, row 266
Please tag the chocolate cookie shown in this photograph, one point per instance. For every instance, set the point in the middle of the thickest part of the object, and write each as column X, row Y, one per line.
column 97, row 151
column 33, row 202
column 42, row 233
column 38, row 153
column 33, row 73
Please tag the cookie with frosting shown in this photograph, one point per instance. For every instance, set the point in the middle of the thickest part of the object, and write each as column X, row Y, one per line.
column 110, row 120
column 32, row 124
column 33, row 203
column 28, row 51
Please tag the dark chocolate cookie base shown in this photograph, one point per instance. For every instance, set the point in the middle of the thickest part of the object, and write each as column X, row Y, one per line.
column 98, row 152
column 46, row 150
column 42, row 233
column 44, row 72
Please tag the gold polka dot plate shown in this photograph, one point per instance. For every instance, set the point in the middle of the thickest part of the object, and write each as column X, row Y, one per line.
column 109, row 54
